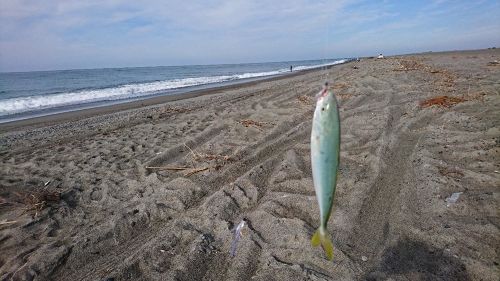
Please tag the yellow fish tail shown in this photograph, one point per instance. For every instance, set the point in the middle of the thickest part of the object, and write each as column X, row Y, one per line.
column 320, row 237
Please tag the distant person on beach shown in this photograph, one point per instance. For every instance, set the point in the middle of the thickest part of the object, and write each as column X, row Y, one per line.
column 380, row 56
column 291, row 68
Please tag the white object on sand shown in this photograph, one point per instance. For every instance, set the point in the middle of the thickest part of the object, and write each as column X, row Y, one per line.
column 237, row 235
column 453, row 198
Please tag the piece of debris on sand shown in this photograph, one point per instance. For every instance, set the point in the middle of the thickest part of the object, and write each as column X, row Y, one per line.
column 252, row 123
column 453, row 198
column 442, row 101
column 38, row 200
column 451, row 172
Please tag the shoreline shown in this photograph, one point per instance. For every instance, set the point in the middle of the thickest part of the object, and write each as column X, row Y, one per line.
column 56, row 118
column 72, row 115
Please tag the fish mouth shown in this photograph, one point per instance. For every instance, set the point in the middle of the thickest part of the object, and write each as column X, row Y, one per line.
column 322, row 94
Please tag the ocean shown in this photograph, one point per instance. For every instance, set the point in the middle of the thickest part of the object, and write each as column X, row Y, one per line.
column 30, row 94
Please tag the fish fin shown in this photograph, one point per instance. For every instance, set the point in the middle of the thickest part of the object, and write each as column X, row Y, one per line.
column 315, row 240
column 321, row 237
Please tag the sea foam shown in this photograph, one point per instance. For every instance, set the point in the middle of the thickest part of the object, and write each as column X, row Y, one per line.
column 127, row 91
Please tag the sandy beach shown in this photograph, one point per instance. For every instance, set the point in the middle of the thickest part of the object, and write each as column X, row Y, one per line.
column 152, row 190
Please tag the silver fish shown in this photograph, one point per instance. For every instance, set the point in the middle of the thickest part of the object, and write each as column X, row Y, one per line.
column 325, row 157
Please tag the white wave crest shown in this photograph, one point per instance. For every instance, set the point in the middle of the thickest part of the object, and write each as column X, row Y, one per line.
column 34, row 103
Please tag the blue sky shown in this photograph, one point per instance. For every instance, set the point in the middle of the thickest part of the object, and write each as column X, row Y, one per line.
column 69, row 34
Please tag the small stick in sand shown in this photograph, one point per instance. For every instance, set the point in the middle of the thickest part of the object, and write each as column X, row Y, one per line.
column 196, row 171
column 167, row 168
column 5, row 222
column 193, row 171
column 195, row 156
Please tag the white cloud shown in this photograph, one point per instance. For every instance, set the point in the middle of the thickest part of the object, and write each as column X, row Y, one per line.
column 72, row 34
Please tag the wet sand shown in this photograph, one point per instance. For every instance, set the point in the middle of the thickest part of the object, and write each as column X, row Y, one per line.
column 78, row 201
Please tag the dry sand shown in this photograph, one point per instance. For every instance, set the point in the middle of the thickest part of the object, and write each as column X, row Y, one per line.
column 78, row 203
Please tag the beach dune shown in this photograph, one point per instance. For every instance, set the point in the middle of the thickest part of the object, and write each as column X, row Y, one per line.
column 152, row 190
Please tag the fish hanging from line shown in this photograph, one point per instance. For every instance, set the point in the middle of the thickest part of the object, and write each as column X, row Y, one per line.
column 325, row 158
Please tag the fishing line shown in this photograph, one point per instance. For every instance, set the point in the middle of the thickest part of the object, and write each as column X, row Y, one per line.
column 326, row 74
